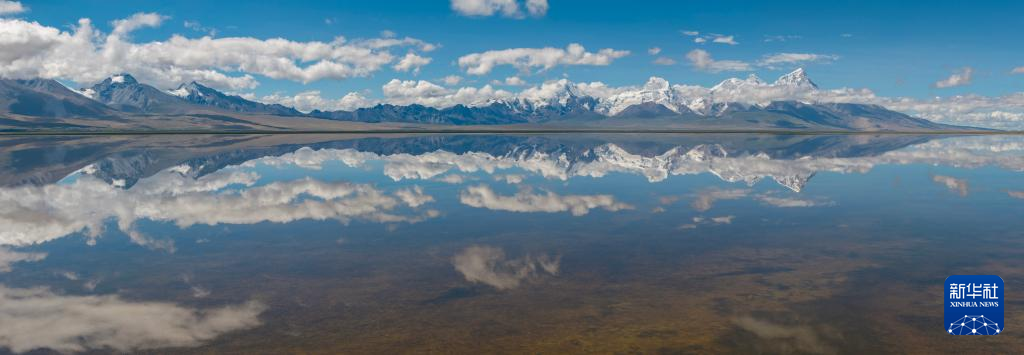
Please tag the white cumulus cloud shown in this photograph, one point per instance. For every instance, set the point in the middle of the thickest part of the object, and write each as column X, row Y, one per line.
column 711, row 37
column 664, row 61
column 412, row 62
column 140, row 20
column 11, row 7
column 773, row 60
column 525, row 59
column 198, row 27
column 506, row 8
column 426, row 93
column 86, row 55
column 725, row 40
column 537, row 8
column 307, row 101
column 452, row 80
column 959, row 78
column 514, row 81
column 702, row 60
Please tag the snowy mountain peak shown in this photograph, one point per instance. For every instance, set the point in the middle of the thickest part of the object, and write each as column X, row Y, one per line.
column 656, row 84
column 125, row 93
column 190, row 89
column 123, row 78
column 797, row 78
column 733, row 89
column 655, row 91
column 202, row 95
column 569, row 89
column 735, row 83
column 753, row 78
column 552, row 93
column 87, row 92
column 118, row 81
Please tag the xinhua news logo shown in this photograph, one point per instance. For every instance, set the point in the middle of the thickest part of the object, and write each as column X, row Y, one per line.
column 974, row 305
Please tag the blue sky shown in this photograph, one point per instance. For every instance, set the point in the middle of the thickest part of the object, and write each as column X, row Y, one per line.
column 947, row 61
column 894, row 48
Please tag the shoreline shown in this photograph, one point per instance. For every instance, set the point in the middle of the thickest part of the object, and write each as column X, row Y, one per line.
column 498, row 131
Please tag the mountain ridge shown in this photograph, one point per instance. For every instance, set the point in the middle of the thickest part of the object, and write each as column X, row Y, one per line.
column 199, row 94
column 723, row 106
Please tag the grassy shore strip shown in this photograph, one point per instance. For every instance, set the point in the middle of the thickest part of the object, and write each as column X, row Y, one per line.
column 496, row 131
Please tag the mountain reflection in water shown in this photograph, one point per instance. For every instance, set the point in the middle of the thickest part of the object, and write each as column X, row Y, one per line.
column 502, row 243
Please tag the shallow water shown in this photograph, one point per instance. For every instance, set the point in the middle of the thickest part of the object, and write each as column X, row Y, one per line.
column 503, row 243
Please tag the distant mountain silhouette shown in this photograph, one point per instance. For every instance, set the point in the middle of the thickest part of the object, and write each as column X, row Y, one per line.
column 198, row 94
column 654, row 105
column 48, row 98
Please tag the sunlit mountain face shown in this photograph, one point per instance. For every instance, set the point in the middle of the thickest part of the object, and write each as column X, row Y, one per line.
column 501, row 243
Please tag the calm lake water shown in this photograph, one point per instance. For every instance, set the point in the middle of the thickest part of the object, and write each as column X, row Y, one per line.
column 504, row 243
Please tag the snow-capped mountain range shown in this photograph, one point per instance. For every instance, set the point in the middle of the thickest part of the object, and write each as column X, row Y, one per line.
column 702, row 101
column 677, row 98
column 123, row 92
column 786, row 103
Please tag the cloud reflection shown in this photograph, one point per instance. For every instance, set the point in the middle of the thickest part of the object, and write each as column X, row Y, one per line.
column 706, row 199
column 37, row 318
column 489, row 265
column 791, row 202
column 32, row 214
column 414, row 197
column 723, row 219
column 733, row 164
column 37, row 214
column 701, row 220
column 482, row 196
column 951, row 183
column 510, row 179
column 9, row 257
column 785, row 338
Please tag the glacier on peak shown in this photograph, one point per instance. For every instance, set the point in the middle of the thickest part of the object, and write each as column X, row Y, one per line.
column 797, row 78
column 710, row 101
column 679, row 98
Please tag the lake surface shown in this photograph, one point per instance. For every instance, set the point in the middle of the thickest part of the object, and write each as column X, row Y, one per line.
column 504, row 243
